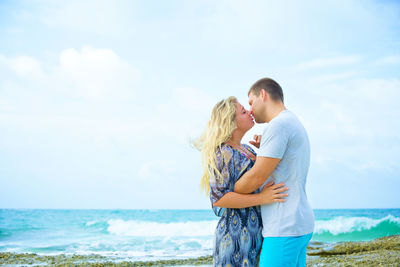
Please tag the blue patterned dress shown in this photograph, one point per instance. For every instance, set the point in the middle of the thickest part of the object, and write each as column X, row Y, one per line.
column 238, row 237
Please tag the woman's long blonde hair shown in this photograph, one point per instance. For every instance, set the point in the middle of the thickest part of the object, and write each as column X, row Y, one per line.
column 219, row 130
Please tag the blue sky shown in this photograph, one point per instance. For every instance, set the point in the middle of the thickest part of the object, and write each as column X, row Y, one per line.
column 99, row 99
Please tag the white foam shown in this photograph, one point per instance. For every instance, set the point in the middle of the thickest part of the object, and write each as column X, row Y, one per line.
column 90, row 223
column 146, row 255
column 339, row 225
column 143, row 254
column 152, row 229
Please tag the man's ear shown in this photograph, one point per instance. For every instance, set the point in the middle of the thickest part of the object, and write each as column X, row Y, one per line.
column 264, row 94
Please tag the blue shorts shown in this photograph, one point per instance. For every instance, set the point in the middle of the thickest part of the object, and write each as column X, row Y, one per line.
column 284, row 251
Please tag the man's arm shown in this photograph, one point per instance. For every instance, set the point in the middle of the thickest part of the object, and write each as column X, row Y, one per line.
column 257, row 175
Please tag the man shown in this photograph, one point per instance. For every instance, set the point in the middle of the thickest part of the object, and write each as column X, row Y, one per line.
column 284, row 156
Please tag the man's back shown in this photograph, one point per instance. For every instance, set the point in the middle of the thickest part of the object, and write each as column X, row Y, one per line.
column 286, row 138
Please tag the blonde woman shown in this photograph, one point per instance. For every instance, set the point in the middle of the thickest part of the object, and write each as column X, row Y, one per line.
column 238, row 236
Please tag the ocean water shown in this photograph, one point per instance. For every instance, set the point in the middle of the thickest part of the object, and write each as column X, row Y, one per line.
column 160, row 234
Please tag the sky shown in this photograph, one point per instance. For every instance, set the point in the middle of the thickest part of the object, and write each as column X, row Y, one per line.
column 100, row 100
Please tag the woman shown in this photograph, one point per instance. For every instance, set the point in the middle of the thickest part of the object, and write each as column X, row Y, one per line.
column 238, row 236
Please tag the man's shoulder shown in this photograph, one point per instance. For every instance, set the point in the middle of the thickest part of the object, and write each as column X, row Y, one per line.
column 286, row 117
column 275, row 126
column 286, row 120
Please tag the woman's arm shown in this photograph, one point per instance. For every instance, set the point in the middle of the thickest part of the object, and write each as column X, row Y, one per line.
column 270, row 193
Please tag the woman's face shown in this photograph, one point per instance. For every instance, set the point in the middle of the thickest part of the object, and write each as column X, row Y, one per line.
column 244, row 120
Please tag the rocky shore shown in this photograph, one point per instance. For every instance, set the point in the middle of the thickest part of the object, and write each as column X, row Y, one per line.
column 379, row 252
column 383, row 251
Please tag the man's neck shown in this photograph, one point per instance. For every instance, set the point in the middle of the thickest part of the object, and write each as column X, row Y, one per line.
column 274, row 111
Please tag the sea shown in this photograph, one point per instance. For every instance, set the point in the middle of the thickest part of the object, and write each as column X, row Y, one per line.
column 143, row 235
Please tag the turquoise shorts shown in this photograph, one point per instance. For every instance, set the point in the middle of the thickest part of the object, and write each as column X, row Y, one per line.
column 284, row 251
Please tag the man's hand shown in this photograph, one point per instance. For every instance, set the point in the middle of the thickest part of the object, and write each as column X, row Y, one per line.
column 257, row 141
column 272, row 193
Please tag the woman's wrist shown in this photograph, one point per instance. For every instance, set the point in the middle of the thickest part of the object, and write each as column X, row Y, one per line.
column 259, row 199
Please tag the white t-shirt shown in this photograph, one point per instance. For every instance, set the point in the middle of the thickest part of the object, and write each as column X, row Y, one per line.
column 285, row 138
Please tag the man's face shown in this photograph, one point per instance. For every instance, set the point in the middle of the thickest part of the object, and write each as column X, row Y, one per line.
column 257, row 107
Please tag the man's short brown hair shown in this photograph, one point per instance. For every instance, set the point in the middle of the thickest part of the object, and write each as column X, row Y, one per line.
column 270, row 86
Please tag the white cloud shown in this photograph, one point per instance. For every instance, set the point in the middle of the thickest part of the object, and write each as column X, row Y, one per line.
column 184, row 114
column 192, row 99
column 328, row 62
column 389, row 60
column 96, row 73
column 246, row 25
column 97, row 16
column 351, row 122
column 157, row 170
column 86, row 100
column 332, row 77
column 79, row 80
column 91, row 92
column 293, row 29
column 23, row 66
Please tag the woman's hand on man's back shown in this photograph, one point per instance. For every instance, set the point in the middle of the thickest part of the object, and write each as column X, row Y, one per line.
column 272, row 193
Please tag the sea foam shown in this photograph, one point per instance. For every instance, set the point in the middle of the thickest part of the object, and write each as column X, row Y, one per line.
column 342, row 225
column 334, row 226
column 143, row 228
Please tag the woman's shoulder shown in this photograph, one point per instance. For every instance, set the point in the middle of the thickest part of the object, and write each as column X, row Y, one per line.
column 224, row 153
column 224, row 148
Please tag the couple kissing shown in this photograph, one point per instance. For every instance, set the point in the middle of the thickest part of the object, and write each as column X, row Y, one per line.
column 266, row 219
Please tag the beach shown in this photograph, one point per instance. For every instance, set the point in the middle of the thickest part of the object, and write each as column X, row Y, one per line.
column 379, row 252
column 383, row 251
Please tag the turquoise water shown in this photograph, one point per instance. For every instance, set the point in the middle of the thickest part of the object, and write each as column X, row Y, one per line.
column 160, row 234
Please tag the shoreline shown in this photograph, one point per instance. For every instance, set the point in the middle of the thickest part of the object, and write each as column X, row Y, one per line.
column 383, row 251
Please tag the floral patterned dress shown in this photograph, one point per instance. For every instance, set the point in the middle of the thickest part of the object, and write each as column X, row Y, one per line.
column 238, row 237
